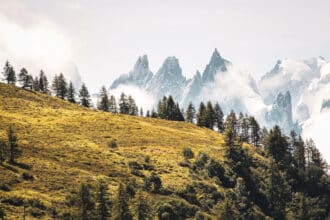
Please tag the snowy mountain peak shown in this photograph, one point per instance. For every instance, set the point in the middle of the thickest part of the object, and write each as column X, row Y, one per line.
column 168, row 80
column 281, row 112
column 139, row 76
column 171, row 68
column 142, row 63
column 141, row 71
column 216, row 64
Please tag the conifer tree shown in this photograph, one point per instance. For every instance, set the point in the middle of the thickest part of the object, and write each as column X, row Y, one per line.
column 255, row 131
column 190, row 113
column 153, row 114
column 277, row 146
column 112, row 104
column 141, row 112
column 62, row 86
column 43, row 82
column 148, row 114
column 123, row 208
column 177, row 115
column 103, row 203
column 162, row 109
column 219, row 118
column 3, row 148
column 229, row 136
column 299, row 154
column 123, row 104
column 170, row 109
column 201, row 117
column 278, row 192
column 9, row 73
column 84, row 96
column 56, row 86
column 12, row 145
column 242, row 198
column 133, row 109
column 85, row 202
column 103, row 103
column 231, row 122
column 71, row 93
column 36, row 84
column 209, row 116
column 143, row 208
column 25, row 79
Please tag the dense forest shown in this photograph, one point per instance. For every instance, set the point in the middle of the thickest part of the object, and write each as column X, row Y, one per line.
column 293, row 184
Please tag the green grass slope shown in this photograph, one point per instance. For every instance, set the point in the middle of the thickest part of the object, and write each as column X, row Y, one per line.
column 65, row 145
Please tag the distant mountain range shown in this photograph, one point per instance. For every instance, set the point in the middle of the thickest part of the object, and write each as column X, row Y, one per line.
column 292, row 94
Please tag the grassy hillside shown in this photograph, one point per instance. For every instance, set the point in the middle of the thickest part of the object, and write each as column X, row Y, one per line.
column 64, row 145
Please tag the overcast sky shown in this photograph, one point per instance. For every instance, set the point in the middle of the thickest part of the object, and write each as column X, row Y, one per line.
column 105, row 37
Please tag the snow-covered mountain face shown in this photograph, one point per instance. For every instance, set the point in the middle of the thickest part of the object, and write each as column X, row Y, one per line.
column 281, row 112
column 139, row 76
column 289, row 75
column 294, row 94
column 217, row 64
column 309, row 85
column 168, row 80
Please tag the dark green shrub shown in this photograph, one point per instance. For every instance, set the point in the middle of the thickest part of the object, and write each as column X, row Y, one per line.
column 15, row 201
column 27, row 176
column 153, row 183
column 189, row 194
column 131, row 188
column 147, row 159
column 5, row 188
column 184, row 164
column 37, row 203
column 112, row 144
column 201, row 160
column 187, row 153
column 135, row 165
column 165, row 212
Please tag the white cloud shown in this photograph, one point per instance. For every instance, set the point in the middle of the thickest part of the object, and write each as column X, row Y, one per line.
column 234, row 88
column 39, row 46
column 142, row 98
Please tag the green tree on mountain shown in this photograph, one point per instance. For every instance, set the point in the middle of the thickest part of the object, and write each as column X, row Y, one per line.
column 9, row 73
column 190, row 113
column 62, row 86
column 43, row 83
column 103, row 103
column 12, row 145
column 112, row 104
column 25, row 79
column 219, row 118
column 201, row 116
column 210, row 117
column 84, row 96
column 71, row 93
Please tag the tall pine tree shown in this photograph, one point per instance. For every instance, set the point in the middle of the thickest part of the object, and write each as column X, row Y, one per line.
column 62, row 86
column 84, row 96
column 113, row 104
column 25, row 79
column 190, row 113
column 219, row 118
column 71, row 93
column 43, row 82
column 201, row 117
column 9, row 73
column 103, row 103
